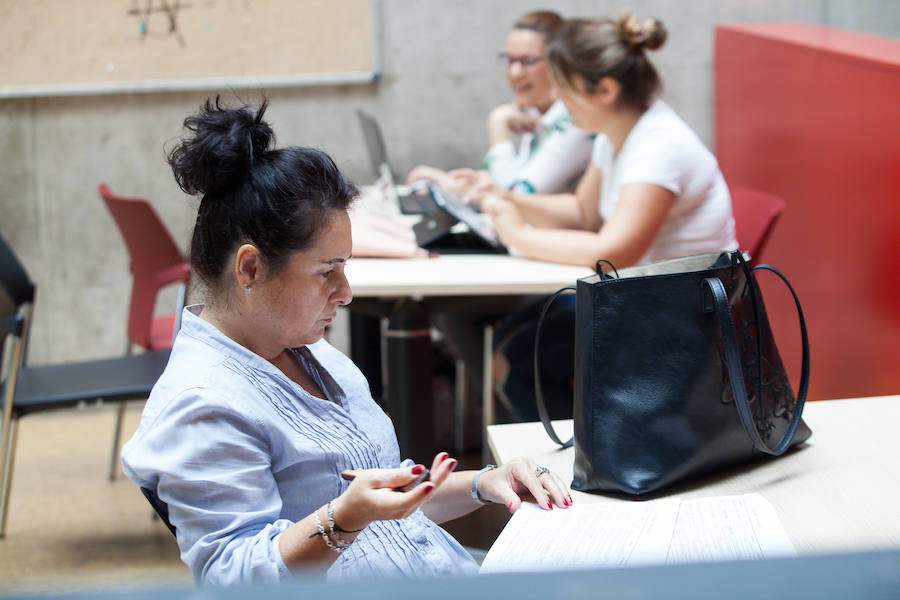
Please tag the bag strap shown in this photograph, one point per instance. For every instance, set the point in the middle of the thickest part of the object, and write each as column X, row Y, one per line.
column 736, row 375
column 539, row 396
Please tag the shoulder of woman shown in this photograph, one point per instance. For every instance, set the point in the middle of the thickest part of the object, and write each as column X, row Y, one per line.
column 661, row 121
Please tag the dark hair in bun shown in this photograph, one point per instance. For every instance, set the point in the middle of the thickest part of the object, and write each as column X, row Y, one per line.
column 222, row 148
column 275, row 199
column 596, row 48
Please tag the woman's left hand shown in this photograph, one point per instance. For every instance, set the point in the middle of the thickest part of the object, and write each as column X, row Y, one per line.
column 521, row 477
column 505, row 215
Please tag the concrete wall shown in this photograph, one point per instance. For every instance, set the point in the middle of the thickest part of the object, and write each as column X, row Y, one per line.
column 440, row 77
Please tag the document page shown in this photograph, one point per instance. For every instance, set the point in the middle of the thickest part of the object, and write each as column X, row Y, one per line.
column 639, row 533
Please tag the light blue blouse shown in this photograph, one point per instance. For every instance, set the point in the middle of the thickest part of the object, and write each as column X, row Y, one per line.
column 239, row 452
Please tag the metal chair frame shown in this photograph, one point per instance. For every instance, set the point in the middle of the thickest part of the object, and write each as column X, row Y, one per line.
column 25, row 389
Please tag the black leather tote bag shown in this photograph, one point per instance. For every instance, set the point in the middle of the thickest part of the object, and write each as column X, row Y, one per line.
column 676, row 374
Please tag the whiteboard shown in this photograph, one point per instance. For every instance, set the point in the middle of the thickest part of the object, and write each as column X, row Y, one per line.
column 59, row 47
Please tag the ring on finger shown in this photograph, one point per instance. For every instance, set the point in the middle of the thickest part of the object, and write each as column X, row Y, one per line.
column 538, row 471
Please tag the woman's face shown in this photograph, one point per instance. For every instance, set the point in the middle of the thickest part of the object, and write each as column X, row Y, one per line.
column 526, row 69
column 298, row 302
column 587, row 109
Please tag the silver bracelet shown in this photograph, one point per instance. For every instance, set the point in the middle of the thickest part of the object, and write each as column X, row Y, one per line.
column 324, row 533
column 475, row 496
column 341, row 544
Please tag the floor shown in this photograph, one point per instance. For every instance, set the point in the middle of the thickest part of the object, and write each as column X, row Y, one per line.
column 71, row 529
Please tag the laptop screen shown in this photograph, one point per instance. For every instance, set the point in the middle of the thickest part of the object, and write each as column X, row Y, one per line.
column 374, row 144
column 478, row 223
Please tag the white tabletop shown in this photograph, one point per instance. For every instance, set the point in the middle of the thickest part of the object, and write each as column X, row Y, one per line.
column 839, row 492
column 458, row 275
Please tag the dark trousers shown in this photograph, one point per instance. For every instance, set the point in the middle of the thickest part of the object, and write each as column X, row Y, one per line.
column 515, row 337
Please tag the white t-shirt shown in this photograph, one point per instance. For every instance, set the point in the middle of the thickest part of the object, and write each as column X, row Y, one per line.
column 550, row 159
column 662, row 150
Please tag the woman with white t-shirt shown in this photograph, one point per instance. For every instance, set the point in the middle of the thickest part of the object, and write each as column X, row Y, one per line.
column 534, row 146
column 652, row 190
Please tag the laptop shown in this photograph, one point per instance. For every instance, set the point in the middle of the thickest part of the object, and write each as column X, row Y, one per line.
column 441, row 211
column 418, row 201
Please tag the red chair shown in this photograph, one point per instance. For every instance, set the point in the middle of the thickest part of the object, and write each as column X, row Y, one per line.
column 755, row 213
column 156, row 262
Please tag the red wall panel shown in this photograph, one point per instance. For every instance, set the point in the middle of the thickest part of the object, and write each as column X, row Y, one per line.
column 812, row 113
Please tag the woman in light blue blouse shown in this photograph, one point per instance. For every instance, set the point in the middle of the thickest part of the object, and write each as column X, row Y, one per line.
column 248, row 430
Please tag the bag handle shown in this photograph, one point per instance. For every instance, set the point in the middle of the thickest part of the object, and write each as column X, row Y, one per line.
column 538, row 394
column 733, row 363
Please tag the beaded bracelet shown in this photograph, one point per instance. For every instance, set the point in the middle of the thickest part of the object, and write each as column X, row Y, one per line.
column 330, row 536
column 324, row 533
column 341, row 544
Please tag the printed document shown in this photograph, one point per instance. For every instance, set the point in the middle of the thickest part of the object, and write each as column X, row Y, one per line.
column 620, row 534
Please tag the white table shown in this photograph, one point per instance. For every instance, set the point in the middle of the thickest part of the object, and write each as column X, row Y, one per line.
column 458, row 275
column 409, row 280
column 840, row 492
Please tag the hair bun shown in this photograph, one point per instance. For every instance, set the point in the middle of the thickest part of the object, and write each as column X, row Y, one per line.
column 223, row 146
column 651, row 34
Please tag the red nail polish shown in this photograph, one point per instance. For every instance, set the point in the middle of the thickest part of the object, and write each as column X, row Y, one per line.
column 509, row 506
column 570, row 500
column 417, row 470
column 549, row 505
column 428, row 489
column 454, row 465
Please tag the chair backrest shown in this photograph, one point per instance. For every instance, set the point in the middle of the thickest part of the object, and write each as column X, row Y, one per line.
column 16, row 287
column 16, row 303
column 161, row 508
column 156, row 260
column 755, row 213
column 16, row 298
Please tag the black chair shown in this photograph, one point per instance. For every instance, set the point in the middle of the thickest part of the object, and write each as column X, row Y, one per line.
column 161, row 508
column 27, row 390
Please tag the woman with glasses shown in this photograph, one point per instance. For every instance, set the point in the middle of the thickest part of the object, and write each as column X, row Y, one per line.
column 533, row 145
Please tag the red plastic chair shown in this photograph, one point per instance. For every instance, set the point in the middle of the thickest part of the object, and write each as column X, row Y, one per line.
column 755, row 213
column 156, row 262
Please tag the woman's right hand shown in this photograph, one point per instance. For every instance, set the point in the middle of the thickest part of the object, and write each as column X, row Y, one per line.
column 445, row 180
column 426, row 173
column 481, row 186
column 372, row 495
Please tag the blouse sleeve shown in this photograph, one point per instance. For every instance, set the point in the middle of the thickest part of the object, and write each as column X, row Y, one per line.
column 502, row 163
column 212, row 467
column 557, row 162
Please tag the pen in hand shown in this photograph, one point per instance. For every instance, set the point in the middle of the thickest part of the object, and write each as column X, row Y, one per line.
column 350, row 475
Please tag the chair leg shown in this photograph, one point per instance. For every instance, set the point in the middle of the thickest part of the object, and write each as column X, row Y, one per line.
column 487, row 391
column 117, row 438
column 6, row 473
column 459, row 408
column 8, row 425
column 117, row 431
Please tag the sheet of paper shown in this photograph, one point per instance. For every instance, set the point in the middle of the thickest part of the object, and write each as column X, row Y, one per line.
column 639, row 533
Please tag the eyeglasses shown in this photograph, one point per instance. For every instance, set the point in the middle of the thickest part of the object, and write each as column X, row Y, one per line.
column 527, row 62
